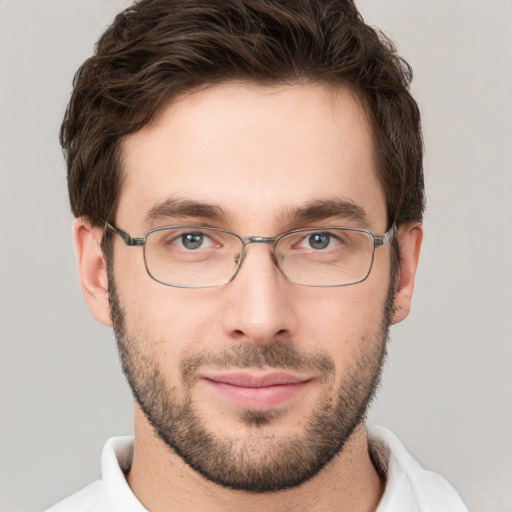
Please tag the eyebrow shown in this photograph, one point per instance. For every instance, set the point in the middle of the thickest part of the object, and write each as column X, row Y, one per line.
column 321, row 210
column 314, row 211
column 182, row 208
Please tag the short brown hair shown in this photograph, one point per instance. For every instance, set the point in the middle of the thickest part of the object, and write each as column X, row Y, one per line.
column 157, row 49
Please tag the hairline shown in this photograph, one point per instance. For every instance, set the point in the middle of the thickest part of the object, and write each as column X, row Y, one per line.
column 330, row 87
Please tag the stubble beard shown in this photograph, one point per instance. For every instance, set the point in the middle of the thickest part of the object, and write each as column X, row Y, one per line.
column 258, row 462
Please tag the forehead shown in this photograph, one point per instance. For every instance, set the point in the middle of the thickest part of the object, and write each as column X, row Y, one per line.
column 253, row 151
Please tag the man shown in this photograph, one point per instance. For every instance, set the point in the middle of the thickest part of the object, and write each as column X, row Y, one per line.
column 246, row 178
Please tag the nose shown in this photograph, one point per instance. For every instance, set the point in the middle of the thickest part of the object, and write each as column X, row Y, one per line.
column 259, row 306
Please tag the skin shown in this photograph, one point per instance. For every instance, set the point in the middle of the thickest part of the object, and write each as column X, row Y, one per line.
column 256, row 152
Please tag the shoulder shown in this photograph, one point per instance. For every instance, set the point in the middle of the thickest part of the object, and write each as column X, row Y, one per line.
column 111, row 493
column 92, row 498
column 408, row 484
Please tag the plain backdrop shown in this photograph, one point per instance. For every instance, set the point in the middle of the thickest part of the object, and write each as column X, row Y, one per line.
column 447, row 387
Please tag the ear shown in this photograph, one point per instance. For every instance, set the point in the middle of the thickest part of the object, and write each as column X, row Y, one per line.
column 92, row 269
column 409, row 238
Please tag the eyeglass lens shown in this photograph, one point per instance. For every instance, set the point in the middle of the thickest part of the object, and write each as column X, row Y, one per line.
column 201, row 257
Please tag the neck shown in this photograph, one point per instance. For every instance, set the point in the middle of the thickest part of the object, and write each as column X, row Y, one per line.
column 163, row 482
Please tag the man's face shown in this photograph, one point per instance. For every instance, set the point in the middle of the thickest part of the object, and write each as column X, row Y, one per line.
column 256, row 384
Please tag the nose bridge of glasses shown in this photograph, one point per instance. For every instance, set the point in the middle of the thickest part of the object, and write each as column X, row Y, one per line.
column 268, row 240
column 258, row 240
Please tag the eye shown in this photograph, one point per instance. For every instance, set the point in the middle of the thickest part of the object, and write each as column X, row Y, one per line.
column 193, row 241
column 319, row 241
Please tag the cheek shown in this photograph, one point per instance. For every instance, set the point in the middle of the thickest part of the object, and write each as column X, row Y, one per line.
column 337, row 320
column 172, row 322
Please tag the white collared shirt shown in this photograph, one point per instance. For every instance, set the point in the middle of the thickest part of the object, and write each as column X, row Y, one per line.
column 409, row 487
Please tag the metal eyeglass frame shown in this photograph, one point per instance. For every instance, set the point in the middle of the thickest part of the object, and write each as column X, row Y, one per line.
column 130, row 241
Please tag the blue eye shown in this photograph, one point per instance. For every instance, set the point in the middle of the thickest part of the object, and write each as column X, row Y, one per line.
column 192, row 241
column 319, row 241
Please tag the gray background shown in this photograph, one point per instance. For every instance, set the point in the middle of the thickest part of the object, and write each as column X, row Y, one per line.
column 447, row 388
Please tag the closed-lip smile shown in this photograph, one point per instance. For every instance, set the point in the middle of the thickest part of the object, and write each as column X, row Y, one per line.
column 255, row 390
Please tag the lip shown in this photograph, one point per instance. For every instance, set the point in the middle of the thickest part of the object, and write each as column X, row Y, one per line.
column 257, row 391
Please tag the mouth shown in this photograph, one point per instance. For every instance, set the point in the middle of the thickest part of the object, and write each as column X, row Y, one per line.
column 257, row 391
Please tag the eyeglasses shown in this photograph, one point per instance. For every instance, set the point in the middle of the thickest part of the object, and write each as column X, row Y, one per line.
column 204, row 257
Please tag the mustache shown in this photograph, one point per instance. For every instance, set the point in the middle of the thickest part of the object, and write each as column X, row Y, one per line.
column 278, row 355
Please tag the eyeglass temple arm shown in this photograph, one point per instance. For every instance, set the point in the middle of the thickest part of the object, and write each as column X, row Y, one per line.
column 128, row 239
column 386, row 237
